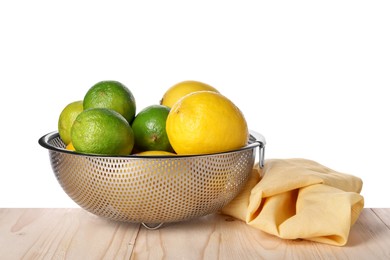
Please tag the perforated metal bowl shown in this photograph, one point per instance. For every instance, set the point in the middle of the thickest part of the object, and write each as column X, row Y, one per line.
column 152, row 190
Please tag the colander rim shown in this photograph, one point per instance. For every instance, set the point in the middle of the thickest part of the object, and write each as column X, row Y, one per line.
column 255, row 140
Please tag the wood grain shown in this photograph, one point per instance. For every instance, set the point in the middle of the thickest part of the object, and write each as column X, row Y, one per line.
column 77, row 234
column 63, row 234
column 221, row 237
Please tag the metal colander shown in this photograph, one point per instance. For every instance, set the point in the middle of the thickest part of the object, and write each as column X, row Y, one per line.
column 153, row 189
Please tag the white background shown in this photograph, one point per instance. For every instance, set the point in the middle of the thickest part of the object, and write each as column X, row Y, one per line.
column 311, row 76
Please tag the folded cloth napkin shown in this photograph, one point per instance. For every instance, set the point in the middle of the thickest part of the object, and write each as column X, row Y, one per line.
column 299, row 198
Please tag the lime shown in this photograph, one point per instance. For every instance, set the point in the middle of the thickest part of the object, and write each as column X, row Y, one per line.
column 113, row 95
column 149, row 129
column 66, row 119
column 102, row 131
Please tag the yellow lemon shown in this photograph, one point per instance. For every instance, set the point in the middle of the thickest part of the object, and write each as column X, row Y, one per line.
column 206, row 122
column 155, row 153
column 179, row 90
column 70, row 147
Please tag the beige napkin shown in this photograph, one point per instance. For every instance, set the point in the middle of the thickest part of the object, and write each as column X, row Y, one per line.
column 299, row 198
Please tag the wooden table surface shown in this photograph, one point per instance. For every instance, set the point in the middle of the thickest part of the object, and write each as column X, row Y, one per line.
column 77, row 234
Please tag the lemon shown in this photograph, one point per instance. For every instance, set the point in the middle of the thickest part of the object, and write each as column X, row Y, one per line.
column 66, row 119
column 155, row 153
column 149, row 129
column 113, row 95
column 206, row 122
column 102, row 131
column 179, row 90
column 70, row 147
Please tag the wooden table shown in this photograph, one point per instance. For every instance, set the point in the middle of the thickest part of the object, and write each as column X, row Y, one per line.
column 77, row 234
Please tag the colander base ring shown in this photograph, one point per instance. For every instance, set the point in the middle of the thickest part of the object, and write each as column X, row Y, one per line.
column 148, row 226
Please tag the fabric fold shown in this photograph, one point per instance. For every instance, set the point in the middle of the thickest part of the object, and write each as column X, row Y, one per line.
column 299, row 198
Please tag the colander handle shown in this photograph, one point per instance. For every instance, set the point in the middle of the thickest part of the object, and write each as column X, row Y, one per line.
column 261, row 140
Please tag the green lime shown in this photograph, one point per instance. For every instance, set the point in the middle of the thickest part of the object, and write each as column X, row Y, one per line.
column 113, row 95
column 66, row 119
column 149, row 129
column 102, row 131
